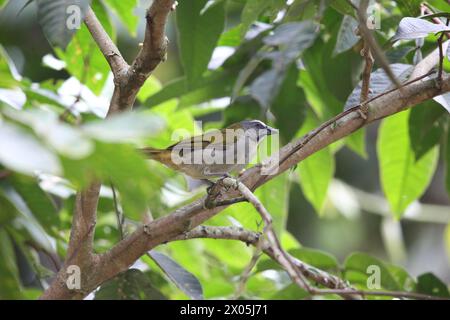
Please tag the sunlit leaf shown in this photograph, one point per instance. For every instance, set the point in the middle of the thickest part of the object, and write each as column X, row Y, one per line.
column 403, row 179
column 124, row 10
column 22, row 152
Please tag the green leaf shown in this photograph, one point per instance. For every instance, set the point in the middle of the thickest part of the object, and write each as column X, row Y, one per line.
column 379, row 83
column 125, row 127
column 22, row 152
column 446, row 149
column 151, row 86
column 409, row 7
column 414, row 28
column 343, row 7
column 215, row 85
column 252, row 10
column 426, row 127
column 316, row 258
column 428, row 283
column 199, row 29
column 289, row 107
column 36, row 200
column 274, row 196
column 402, row 178
column 290, row 292
column 292, row 39
column 403, row 278
column 83, row 58
column 2, row 3
column 10, row 288
column 182, row 278
column 7, row 210
column 132, row 284
column 9, row 75
column 359, row 267
column 346, row 37
column 137, row 185
column 124, row 10
column 60, row 19
column 316, row 171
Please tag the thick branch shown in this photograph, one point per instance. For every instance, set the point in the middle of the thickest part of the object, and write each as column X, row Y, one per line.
column 105, row 44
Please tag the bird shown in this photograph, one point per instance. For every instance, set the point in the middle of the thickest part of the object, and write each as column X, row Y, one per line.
column 216, row 153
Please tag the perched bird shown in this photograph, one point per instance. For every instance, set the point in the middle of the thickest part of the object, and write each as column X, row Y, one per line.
column 215, row 153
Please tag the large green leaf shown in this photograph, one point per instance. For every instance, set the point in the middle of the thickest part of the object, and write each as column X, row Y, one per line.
column 83, row 58
column 289, row 107
column 39, row 203
column 250, row 13
column 426, row 127
column 137, row 185
column 60, row 19
column 346, row 37
column 215, row 85
column 7, row 210
column 22, row 152
column 403, row 179
column 291, row 39
column 360, row 266
column 274, row 196
column 199, row 29
column 428, row 283
column 316, row 171
column 125, row 11
column 10, row 287
column 182, row 278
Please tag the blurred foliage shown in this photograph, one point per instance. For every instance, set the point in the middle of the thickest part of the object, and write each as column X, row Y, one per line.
column 293, row 65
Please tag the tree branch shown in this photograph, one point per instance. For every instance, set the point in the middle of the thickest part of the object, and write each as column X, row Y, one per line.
column 251, row 237
column 112, row 54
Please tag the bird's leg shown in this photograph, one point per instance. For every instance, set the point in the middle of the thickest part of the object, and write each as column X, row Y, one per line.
column 210, row 185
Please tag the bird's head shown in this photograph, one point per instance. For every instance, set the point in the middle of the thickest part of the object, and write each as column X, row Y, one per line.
column 257, row 129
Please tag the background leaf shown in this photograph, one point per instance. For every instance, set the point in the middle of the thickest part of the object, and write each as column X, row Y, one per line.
column 198, row 31
column 54, row 16
column 402, row 177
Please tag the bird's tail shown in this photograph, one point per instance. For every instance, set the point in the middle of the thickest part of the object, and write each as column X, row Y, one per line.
column 161, row 155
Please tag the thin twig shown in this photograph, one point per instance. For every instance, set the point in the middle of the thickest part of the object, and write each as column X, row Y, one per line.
column 247, row 271
column 368, row 58
column 375, row 49
column 119, row 214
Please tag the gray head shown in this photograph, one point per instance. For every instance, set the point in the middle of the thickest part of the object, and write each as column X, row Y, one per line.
column 258, row 127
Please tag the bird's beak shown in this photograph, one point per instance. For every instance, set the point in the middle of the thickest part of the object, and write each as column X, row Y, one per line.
column 271, row 131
